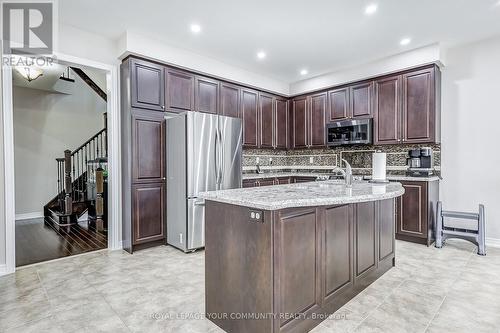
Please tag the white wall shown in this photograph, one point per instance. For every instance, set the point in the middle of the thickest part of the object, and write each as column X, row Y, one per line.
column 46, row 124
column 470, row 148
column 421, row 56
column 2, row 188
column 141, row 45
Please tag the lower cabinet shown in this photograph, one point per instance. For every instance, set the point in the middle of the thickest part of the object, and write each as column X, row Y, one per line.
column 303, row 179
column 366, row 238
column 276, row 181
column 416, row 212
column 148, row 206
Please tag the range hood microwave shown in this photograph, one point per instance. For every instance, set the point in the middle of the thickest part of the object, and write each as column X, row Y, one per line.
column 349, row 132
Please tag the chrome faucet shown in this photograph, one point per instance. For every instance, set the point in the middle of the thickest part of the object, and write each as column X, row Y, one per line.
column 347, row 173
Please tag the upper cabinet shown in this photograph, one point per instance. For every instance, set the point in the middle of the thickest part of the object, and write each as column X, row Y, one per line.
column 147, row 85
column 229, row 101
column 206, row 95
column 407, row 107
column 180, row 91
column 309, row 121
column 354, row 101
column 266, row 120
column 250, row 115
column 281, row 123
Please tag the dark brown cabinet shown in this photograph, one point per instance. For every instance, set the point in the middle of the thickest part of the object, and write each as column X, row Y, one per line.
column 230, row 97
column 416, row 210
column 407, row 107
column 281, row 123
column 309, row 121
column 419, row 98
column 366, row 239
column 147, row 85
column 149, row 215
column 250, row 116
column 180, row 91
column 148, row 147
column 266, row 121
column 206, row 95
column 303, row 179
column 361, row 100
column 338, row 104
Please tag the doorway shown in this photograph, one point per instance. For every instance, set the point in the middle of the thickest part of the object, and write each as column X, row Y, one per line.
column 91, row 169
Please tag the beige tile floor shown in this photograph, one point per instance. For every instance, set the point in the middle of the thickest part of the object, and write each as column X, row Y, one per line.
column 429, row 290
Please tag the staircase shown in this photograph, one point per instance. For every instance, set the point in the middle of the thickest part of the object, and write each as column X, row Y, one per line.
column 81, row 177
column 80, row 185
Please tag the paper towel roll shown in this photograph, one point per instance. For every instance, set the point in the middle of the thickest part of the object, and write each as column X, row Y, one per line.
column 379, row 166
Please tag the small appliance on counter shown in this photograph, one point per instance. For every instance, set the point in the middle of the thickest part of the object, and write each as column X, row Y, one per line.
column 420, row 162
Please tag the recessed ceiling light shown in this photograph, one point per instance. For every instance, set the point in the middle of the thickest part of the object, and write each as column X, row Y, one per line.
column 304, row 72
column 195, row 28
column 261, row 54
column 371, row 9
column 405, row 41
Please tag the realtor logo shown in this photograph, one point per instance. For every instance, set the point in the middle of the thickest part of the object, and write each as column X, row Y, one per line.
column 28, row 28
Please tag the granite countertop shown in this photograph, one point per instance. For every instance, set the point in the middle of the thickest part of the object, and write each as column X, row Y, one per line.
column 314, row 174
column 330, row 192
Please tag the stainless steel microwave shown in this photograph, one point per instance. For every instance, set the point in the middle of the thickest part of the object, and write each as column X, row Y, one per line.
column 349, row 132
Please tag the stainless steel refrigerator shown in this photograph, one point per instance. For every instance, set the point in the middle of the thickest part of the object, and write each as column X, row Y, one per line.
column 203, row 154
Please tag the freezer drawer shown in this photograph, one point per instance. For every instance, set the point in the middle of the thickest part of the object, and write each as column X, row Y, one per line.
column 195, row 224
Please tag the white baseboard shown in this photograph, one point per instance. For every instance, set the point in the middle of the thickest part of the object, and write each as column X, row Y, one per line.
column 28, row 216
column 3, row 270
column 493, row 242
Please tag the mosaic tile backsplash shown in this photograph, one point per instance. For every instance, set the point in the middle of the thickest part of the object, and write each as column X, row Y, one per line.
column 360, row 157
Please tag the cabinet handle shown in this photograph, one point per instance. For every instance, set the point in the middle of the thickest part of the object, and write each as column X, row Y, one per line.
column 163, row 107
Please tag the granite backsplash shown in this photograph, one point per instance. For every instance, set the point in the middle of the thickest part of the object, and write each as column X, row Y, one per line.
column 360, row 158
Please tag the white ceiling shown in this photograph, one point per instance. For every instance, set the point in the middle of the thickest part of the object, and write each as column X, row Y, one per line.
column 320, row 35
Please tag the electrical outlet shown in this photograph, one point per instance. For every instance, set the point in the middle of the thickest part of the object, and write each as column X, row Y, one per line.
column 270, row 160
column 257, row 160
column 311, row 160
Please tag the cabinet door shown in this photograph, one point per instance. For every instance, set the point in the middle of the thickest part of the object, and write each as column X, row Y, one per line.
column 148, row 218
column 283, row 180
column 419, row 106
column 266, row 120
column 180, row 91
column 387, row 129
column 249, row 113
column 148, row 147
column 361, row 100
column 386, row 228
column 230, row 100
column 297, row 244
column 338, row 104
column 303, row 179
column 249, row 183
column 338, row 248
column 266, row 182
column 412, row 210
column 300, row 123
column 366, row 238
column 147, row 85
column 317, row 116
column 206, row 95
column 281, row 123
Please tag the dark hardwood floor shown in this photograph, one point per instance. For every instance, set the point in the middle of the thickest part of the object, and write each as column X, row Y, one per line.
column 37, row 241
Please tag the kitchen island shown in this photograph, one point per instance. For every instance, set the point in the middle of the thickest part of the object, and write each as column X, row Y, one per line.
column 282, row 258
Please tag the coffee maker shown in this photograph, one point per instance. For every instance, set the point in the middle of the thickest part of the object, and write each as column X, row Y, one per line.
column 420, row 162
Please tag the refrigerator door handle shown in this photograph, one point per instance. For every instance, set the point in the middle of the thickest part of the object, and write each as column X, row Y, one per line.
column 216, row 155
column 221, row 165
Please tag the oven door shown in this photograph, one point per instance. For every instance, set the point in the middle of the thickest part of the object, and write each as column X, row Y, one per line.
column 349, row 132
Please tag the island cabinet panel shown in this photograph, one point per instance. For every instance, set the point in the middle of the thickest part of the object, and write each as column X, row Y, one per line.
column 338, row 251
column 250, row 115
column 238, row 261
column 230, row 97
column 366, row 238
column 297, row 275
column 147, row 85
column 266, row 120
column 206, row 95
column 149, row 213
column 180, row 91
column 386, row 216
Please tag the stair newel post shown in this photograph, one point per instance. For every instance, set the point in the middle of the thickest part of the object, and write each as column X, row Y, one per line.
column 68, row 202
column 105, row 134
column 99, row 200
